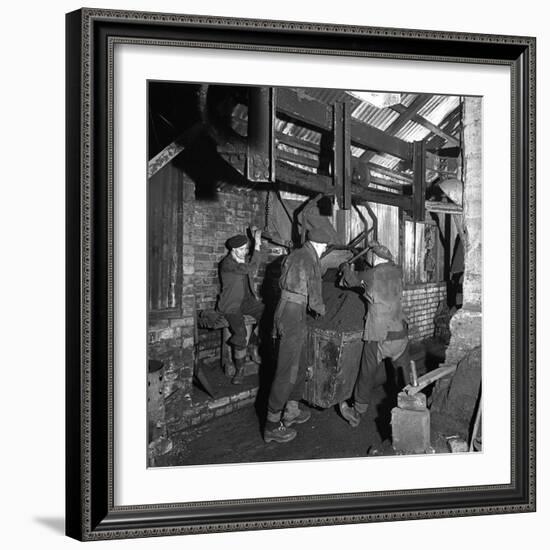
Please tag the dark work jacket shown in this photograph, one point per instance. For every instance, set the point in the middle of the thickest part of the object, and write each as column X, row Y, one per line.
column 383, row 288
column 301, row 275
column 237, row 281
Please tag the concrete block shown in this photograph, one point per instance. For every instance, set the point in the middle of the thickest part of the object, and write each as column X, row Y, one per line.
column 410, row 430
column 457, row 445
column 416, row 402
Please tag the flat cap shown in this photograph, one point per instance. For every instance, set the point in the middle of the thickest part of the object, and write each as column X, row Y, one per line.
column 319, row 235
column 381, row 251
column 236, row 241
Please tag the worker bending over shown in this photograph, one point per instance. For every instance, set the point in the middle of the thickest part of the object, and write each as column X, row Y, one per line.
column 386, row 330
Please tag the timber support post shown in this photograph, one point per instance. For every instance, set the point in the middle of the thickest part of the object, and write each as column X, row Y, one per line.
column 419, row 181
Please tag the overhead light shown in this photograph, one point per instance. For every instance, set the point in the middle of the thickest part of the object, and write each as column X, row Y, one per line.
column 453, row 188
column 378, row 99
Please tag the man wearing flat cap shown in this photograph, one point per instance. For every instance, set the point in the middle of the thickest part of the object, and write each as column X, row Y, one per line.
column 238, row 297
column 386, row 333
column 301, row 291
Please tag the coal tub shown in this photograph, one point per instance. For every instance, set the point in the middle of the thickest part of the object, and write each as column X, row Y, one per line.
column 334, row 345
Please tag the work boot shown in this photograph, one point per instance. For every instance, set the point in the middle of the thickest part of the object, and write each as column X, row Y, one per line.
column 278, row 432
column 294, row 414
column 238, row 378
column 254, row 355
column 351, row 414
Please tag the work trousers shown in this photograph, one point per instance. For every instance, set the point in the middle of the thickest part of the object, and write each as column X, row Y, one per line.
column 250, row 306
column 369, row 370
column 290, row 374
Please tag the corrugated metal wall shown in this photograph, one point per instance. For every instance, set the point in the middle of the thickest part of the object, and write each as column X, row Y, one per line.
column 419, row 238
column 388, row 225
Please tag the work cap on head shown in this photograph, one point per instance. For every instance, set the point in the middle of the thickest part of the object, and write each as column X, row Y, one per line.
column 319, row 235
column 381, row 251
column 236, row 241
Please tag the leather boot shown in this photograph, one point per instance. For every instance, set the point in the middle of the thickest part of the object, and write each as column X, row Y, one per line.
column 352, row 414
column 239, row 358
column 254, row 355
column 238, row 378
column 294, row 414
column 278, row 432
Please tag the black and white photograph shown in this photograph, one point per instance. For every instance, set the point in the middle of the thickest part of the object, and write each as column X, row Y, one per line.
column 269, row 274
column 314, row 273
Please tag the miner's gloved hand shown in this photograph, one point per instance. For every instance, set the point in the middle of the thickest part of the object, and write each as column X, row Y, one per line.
column 345, row 273
column 257, row 235
column 344, row 268
column 320, row 311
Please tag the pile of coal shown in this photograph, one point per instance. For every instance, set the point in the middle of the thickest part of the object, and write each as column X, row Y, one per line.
column 345, row 309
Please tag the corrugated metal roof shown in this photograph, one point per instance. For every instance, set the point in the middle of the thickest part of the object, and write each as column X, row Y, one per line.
column 379, row 118
column 328, row 95
column 291, row 129
column 435, row 110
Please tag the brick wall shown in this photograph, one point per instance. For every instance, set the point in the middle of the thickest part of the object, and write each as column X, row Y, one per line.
column 234, row 211
column 172, row 340
column 207, row 224
column 420, row 303
column 207, row 410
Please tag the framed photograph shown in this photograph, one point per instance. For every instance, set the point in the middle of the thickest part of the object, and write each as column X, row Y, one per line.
column 300, row 274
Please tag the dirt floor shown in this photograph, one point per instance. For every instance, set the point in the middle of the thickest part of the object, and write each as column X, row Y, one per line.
column 237, row 437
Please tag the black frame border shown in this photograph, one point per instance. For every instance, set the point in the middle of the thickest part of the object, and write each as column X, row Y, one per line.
column 90, row 38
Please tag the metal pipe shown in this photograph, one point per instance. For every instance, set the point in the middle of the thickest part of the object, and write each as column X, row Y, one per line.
column 374, row 221
column 357, row 256
column 356, row 239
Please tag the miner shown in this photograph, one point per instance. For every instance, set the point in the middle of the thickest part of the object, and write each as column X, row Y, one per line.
column 238, row 297
column 300, row 284
column 386, row 331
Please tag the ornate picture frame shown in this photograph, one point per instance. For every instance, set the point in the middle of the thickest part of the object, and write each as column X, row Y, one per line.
column 91, row 331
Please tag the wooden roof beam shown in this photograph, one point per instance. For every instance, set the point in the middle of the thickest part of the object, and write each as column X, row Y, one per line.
column 297, row 143
column 172, row 150
column 369, row 137
column 395, row 176
column 313, row 113
column 406, row 114
column 429, row 125
column 293, row 176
